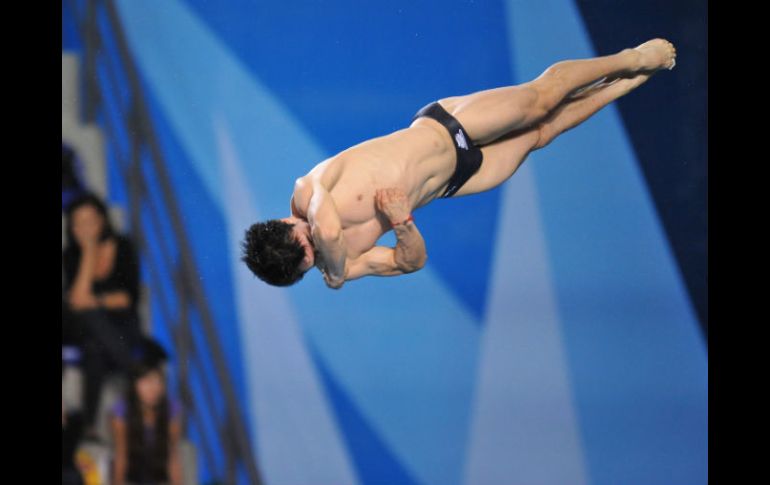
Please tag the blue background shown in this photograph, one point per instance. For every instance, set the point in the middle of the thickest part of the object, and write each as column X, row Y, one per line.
column 557, row 334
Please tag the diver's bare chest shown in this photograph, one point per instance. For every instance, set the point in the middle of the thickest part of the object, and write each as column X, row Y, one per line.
column 355, row 204
column 362, row 224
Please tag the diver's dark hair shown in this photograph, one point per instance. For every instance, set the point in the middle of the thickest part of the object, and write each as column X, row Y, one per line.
column 272, row 253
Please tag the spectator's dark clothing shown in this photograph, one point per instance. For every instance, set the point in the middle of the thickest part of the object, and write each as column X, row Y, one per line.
column 108, row 338
column 140, row 473
column 124, row 275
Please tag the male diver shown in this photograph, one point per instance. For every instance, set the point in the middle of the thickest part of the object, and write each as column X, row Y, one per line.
column 455, row 146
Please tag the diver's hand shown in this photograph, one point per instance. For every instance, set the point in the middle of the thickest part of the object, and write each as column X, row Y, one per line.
column 394, row 203
column 332, row 282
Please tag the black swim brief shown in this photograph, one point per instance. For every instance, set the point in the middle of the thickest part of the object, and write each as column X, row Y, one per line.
column 469, row 156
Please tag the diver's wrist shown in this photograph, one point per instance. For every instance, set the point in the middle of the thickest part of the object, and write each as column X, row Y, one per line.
column 403, row 222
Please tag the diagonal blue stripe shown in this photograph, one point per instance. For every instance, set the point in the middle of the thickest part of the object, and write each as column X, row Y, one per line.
column 375, row 463
column 348, row 82
column 637, row 360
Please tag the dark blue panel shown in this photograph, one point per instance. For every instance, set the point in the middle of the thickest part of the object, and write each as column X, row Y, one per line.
column 208, row 429
column 671, row 140
column 207, row 236
column 115, row 183
column 110, row 61
column 375, row 464
column 351, row 71
column 70, row 40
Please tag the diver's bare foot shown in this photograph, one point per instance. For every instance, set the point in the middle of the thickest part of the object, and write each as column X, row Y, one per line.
column 656, row 54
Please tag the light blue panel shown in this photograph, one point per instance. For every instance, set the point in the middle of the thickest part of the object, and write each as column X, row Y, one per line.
column 194, row 76
column 524, row 425
column 405, row 351
column 411, row 359
column 197, row 90
column 295, row 432
column 352, row 70
column 637, row 359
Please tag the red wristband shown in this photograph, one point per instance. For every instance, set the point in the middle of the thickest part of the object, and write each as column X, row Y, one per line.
column 410, row 218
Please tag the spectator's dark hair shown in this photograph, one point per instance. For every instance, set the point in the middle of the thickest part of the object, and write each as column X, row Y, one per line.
column 146, row 460
column 96, row 202
column 148, row 352
column 272, row 253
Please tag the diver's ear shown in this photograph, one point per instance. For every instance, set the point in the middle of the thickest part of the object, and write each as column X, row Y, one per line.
column 308, row 255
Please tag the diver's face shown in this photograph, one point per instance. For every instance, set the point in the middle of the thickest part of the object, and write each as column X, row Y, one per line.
column 301, row 231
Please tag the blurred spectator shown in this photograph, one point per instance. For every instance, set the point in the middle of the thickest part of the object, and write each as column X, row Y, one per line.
column 101, row 288
column 146, row 430
column 149, row 352
column 71, row 178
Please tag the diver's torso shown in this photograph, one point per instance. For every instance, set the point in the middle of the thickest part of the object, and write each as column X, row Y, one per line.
column 418, row 160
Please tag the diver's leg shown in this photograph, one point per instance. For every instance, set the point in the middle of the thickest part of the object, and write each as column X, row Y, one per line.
column 489, row 114
column 573, row 112
column 505, row 155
